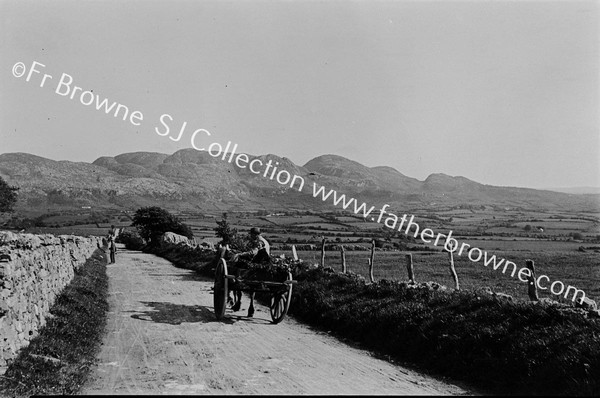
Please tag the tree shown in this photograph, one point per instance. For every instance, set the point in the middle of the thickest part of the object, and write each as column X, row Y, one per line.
column 230, row 235
column 8, row 196
column 527, row 228
column 154, row 221
column 224, row 231
column 131, row 239
column 576, row 235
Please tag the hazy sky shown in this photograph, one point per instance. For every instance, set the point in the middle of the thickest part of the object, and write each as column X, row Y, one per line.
column 501, row 92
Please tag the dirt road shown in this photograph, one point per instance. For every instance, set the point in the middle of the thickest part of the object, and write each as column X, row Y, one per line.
column 162, row 337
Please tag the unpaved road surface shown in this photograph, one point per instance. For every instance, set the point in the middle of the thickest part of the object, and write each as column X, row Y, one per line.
column 163, row 338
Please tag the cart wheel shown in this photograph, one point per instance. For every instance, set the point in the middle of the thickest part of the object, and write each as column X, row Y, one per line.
column 220, row 289
column 280, row 303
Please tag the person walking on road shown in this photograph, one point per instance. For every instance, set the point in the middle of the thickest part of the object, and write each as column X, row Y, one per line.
column 112, row 247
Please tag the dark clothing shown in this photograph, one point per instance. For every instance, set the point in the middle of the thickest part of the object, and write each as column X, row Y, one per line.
column 261, row 256
column 260, row 250
column 112, row 247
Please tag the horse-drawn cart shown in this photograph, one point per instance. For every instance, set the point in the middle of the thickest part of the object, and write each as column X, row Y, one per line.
column 280, row 292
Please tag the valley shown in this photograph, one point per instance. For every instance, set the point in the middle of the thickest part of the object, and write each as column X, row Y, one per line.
column 559, row 231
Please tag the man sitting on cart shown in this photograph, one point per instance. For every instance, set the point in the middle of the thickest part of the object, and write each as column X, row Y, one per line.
column 260, row 250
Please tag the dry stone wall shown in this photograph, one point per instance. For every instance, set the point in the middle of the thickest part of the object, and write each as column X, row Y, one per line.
column 34, row 269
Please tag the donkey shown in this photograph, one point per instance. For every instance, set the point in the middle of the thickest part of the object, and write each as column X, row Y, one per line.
column 236, row 301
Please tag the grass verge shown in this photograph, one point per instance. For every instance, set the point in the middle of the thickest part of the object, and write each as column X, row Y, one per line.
column 58, row 360
column 495, row 344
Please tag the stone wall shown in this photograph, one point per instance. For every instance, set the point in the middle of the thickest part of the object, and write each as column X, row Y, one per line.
column 34, row 269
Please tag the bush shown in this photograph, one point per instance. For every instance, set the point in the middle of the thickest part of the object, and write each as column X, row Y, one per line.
column 506, row 347
column 8, row 196
column 131, row 239
column 501, row 346
column 576, row 235
column 152, row 222
column 230, row 235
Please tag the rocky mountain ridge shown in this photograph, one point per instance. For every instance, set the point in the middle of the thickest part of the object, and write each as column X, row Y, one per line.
column 190, row 179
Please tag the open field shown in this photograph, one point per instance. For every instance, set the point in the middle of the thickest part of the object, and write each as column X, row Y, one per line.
column 567, row 250
column 581, row 270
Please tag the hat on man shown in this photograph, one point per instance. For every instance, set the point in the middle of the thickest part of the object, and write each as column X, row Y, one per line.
column 255, row 231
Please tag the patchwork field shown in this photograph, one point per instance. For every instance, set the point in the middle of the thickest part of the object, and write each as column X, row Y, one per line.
column 564, row 246
column 581, row 270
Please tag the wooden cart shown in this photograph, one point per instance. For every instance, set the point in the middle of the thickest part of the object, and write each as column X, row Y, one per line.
column 280, row 292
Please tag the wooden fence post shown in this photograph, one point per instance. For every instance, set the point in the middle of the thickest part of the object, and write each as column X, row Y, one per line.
column 531, row 288
column 343, row 253
column 409, row 267
column 371, row 261
column 323, row 253
column 294, row 253
column 453, row 270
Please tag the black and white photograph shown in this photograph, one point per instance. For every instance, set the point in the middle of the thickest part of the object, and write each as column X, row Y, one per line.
column 299, row 197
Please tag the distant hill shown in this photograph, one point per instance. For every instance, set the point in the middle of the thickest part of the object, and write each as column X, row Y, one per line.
column 193, row 180
column 578, row 190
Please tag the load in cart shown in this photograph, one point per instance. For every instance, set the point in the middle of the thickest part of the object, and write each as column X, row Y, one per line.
column 252, row 272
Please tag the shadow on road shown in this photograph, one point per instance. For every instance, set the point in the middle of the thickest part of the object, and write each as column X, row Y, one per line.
column 241, row 318
column 176, row 314
column 183, row 277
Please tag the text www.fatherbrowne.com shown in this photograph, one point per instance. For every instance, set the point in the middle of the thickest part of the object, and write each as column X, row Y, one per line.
column 408, row 226
column 65, row 87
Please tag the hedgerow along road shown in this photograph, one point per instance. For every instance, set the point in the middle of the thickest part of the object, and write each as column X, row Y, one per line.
column 163, row 337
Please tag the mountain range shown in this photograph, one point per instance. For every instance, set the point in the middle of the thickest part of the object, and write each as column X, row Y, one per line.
column 195, row 181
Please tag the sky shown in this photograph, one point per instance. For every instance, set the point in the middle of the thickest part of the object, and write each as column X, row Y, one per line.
column 501, row 92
